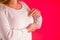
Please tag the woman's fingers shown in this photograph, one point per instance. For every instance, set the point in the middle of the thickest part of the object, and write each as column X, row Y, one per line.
column 32, row 27
column 31, row 12
column 35, row 13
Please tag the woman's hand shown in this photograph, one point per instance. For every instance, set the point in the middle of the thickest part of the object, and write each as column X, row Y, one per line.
column 32, row 27
column 34, row 12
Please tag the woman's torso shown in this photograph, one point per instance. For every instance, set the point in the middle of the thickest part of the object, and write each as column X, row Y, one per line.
column 19, row 19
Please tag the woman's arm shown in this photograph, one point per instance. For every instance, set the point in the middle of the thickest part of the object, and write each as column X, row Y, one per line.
column 37, row 17
column 7, row 32
column 38, row 20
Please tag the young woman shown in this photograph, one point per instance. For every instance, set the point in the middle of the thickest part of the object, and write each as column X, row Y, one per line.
column 17, row 20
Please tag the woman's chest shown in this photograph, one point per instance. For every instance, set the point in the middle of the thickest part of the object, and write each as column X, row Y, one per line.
column 20, row 19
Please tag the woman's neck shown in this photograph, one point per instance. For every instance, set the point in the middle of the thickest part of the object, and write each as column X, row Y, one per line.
column 14, row 4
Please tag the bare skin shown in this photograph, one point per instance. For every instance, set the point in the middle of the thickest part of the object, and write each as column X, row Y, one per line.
column 33, row 12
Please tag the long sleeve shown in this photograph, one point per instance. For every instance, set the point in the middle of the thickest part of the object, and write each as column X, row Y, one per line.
column 8, row 33
column 39, row 22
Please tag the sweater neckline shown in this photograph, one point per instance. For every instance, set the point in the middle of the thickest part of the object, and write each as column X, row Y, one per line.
column 13, row 8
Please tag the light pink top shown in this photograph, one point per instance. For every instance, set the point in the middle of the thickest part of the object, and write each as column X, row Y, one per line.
column 13, row 23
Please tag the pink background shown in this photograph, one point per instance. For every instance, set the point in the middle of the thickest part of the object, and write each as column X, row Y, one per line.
column 50, row 10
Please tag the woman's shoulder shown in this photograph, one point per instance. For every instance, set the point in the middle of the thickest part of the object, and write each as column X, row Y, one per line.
column 25, row 5
column 2, row 7
column 23, row 2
